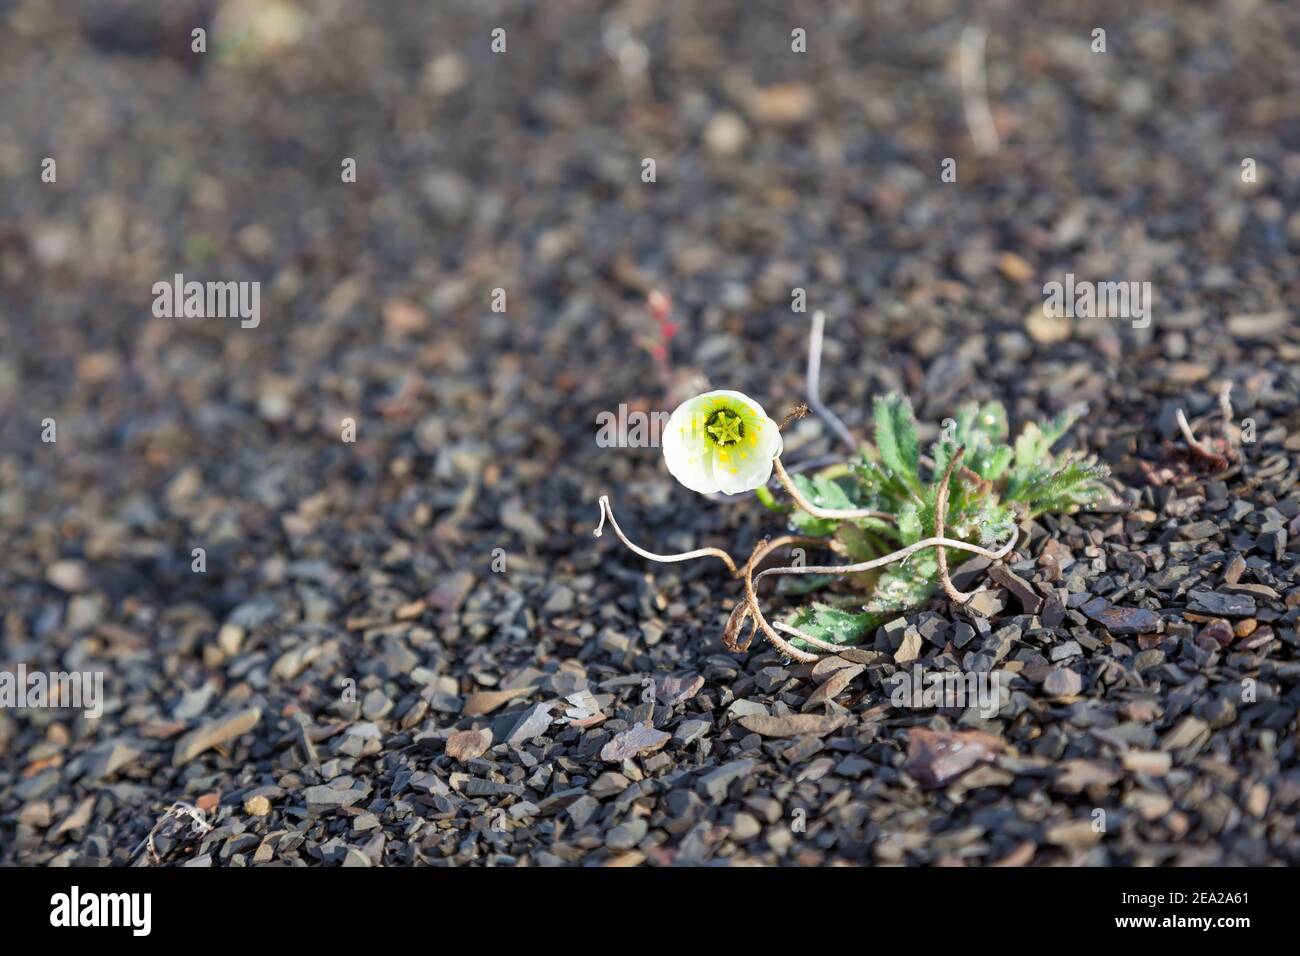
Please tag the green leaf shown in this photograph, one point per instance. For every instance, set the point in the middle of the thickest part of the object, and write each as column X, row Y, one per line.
column 832, row 624
column 1014, row 482
column 995, row 463
column 992, row 423
column 1041, row 489
column 904, row 586
column 769, row 502
column 859, row 544
column 1029, row 447
column 1034, row 446
column 910, row 529
column 896, row 438
column 824, row 493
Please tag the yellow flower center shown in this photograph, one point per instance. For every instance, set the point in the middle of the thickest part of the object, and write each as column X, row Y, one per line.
column 725, row 427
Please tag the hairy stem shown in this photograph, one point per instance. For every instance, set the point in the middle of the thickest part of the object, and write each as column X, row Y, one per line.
column 900, row 555
column 816, row 512
column 940, row 511
column 607, row 511
column 755, row 613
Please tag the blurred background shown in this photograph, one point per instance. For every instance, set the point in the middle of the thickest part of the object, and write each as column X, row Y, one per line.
column 522, row 171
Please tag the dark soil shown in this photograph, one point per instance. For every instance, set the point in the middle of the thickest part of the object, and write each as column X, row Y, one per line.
column 368, row 609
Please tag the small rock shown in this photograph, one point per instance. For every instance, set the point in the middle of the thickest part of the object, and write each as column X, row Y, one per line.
column 935, row 757
column 1219, row 631
column 626, row 835
column 794, row 725
column 1220, row 604
column 68, row 576
column 715, row 784
column 533, row 723
column 1018, row 586
column 832, row 687
column 214, row 734
column 675, row 690
column 782, row 105
column 910, row 649
column 1062, row 682
column 485, row 701
column 1121, row 620
column 1147, row 761
column 1075, row 835
column 467, row 745
column 745, row 827
column 640, row 739
column 726, row 134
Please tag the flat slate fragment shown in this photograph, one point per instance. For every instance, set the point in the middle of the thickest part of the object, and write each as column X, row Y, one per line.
column 1121, row 620
column 1221, row 604
column 674, row 690
column 1018, row 586
column 640, row 739
column 214, row 733
column 794, row 725
column 715, row 783
column 532, row 723
column 465, row 745
column 485, row 701
column 935, row 757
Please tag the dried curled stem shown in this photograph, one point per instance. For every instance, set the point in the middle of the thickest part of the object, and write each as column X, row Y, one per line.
column 1186, row 429
column 607, row 511
column 749, row 611
column 199, row 826
column 814, row 510
column 940, row 512
column 900, row 555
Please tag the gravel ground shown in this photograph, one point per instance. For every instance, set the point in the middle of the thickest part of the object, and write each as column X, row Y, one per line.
column 409, row 648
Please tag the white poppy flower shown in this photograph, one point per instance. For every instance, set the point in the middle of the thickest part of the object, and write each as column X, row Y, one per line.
column 721, row 441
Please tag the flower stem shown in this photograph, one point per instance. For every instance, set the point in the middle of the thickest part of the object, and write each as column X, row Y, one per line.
column 940, row 510
column 607, row 511
column 816, row 512
column 900, row 555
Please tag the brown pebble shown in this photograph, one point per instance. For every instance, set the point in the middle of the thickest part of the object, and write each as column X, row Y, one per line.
column 467, row 745
column 1015, row 267
column 1218, row 630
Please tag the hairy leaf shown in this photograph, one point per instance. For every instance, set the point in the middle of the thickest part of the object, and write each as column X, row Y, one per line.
column 831, row 624
column 896, row 438
column 1013, row 483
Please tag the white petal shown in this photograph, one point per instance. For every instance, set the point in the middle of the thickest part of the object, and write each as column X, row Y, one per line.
column 746, row 475
column 686, row 454
column 770, row 444
column 701, row 465
column 748, row 465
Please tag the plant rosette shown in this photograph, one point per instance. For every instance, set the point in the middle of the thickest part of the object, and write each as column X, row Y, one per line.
column 896, row 515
